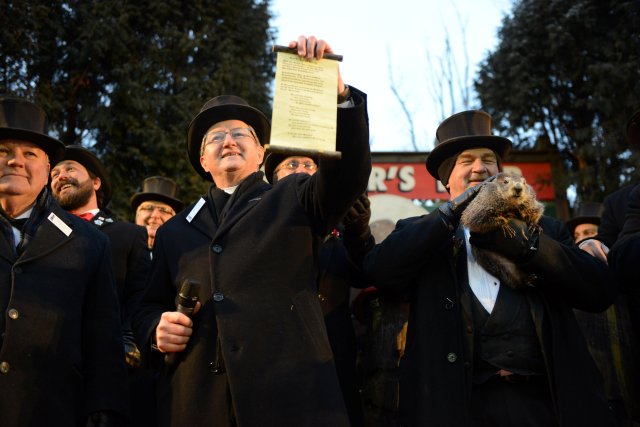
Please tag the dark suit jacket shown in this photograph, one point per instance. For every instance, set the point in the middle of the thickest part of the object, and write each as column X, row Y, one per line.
column 260, row 315
column 130, row 257
column 422, row 256
column 337, row 273
column 62, row 346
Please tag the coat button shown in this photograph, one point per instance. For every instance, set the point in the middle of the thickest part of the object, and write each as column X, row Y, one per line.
column 4, row 367
column 17, row 270
column 448, row 304
column 510, row 353
column 218, row 296
column 452, row 357
column 13, row 313
column 216, row 248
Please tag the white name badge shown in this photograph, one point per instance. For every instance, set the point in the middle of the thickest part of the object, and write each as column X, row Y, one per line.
column 59, row 224
column 195, row 210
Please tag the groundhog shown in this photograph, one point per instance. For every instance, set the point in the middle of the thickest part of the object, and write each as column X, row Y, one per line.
column 506, row 197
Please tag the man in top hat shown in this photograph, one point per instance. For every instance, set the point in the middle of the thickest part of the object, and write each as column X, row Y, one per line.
column 80, row 183
column 155, row 204
column 480, row 351
column 256, row 351
column 339, row 269
column 61, row 357
column 585, row 224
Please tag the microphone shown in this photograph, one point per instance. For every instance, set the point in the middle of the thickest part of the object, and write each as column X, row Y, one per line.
column 185, row 303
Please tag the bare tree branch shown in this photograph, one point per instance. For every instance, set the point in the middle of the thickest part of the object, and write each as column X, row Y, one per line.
column 403, row 105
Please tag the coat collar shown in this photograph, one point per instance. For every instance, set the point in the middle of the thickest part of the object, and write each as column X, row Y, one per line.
column 51, row 234
column 246, row 196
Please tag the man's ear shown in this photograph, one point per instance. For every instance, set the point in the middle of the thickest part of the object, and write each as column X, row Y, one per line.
column 203, row 163
column 97, row 183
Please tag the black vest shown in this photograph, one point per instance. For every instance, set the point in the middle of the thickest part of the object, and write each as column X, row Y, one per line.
column 506, row 338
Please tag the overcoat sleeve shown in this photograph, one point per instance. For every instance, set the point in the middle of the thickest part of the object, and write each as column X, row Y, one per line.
column 328, row 194
column 568, row 273
column 395, row 263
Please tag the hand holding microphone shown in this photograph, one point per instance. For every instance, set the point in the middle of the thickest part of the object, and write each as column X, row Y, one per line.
column 175, row 328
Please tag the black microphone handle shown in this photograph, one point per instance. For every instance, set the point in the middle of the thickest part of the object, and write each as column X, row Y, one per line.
column 186, row 303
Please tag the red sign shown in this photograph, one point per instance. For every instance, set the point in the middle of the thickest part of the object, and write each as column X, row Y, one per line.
column 411, row 180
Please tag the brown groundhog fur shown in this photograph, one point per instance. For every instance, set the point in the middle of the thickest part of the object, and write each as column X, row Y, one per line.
column 506, row 197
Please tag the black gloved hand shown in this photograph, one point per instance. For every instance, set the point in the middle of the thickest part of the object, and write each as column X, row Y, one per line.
column 632, row 218
column 105, row 419
column 519, row 247
column 451, row 211
column 356, row 220
column 131, row 351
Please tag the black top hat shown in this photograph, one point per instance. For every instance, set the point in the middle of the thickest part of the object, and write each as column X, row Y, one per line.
column 633, row 130
column 218, row 109
column 587, row 213
column 158, row 188
column 463, row 131
column 90, row 161
column 24, row 120
column 274, row 159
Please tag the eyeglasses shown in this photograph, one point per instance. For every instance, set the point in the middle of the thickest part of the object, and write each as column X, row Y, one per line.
column 295, row 164
column 218, row 136
column 150, row 208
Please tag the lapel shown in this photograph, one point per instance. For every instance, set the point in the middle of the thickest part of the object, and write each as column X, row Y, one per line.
column 200, row 217
column 49, row 236
column 461, row 272
column 241, row 202
column 246, row 196
column 6, row 251
column 462, row 279
column 101, row 219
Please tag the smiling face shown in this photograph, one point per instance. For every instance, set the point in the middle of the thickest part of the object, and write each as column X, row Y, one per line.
column 24, row 172
column 152, row 214
column 73, row 187
column 232, row 159
column 471, row 168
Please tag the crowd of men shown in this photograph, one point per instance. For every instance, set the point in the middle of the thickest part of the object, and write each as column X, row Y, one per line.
column 234, row 310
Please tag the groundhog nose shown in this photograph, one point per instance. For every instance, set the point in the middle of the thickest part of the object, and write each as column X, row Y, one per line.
column 517, row 190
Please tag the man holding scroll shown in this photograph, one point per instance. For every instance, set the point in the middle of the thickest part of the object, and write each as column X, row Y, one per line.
column 255, row 352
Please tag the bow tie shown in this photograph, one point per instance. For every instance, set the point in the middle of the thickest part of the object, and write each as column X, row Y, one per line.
column 87, row 216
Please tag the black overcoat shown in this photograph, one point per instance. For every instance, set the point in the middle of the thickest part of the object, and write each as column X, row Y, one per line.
column 421, row 255
column 62, row 348
column 130, row 257
column 257, row 271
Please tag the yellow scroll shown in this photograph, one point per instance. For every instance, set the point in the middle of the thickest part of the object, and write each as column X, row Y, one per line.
column 304, row 106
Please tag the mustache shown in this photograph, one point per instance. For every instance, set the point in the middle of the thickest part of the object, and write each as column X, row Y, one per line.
column 68, row 181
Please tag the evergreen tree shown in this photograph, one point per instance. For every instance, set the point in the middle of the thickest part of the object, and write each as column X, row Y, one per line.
column 566, row 77
column 125, row 78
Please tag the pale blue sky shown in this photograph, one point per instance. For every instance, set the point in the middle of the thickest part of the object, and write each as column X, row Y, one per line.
column 369, row 32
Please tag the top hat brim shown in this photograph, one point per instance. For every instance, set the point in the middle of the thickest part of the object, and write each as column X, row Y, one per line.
column 53, row 147
column 91, row 162
column 207, row 118
column 139, row 198
column 274, row 159
column 457, row 145
column 574, row 222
